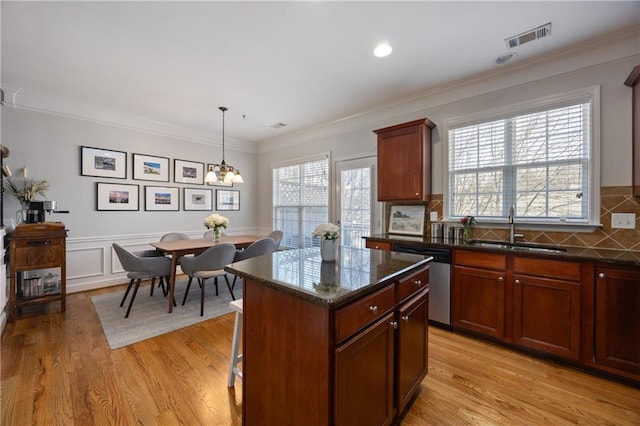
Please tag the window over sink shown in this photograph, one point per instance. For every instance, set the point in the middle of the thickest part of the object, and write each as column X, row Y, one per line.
column 541, row 156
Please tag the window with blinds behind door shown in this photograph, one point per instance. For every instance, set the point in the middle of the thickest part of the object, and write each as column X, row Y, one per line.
column 537, row 161
column 300, row 201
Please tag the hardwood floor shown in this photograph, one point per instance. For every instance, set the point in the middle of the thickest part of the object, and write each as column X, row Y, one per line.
column 58, row 369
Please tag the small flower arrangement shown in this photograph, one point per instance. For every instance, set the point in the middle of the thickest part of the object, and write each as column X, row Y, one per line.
column 29, row 191
column 327, row 231
column 468, row 222
column 216, row 222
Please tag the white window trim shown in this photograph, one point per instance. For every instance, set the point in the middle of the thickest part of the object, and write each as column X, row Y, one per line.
column 593, row 93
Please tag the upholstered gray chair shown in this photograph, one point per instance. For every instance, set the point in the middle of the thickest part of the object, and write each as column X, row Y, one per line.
column 142, row 268
column 208, row 264
column 260, row 247
column 276, row 236
column 174, row 236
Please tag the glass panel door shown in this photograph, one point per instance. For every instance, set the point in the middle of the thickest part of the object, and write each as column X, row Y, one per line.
column 357, row 211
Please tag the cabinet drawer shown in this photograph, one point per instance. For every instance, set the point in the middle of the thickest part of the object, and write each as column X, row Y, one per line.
column 412, row 284
column 40, row 253
column 480, row 259
column 378, row 245
column 363, row 312
column 547, row 268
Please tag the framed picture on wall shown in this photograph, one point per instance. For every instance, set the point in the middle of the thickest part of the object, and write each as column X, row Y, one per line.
column 406, row 219
column 103, row 163
column 219, row 181
column 148, row 167
column 117, row 197
column 161, row 198
column 198, row 199
column 188, row 172
column 227, row 199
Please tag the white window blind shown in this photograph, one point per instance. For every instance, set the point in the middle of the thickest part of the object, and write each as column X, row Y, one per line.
column 538, row 162
column 300, row 201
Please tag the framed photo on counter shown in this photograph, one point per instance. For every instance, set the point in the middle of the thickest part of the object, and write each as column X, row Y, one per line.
column 406, row 219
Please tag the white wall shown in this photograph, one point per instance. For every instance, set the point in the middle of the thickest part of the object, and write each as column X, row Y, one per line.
column 607, row 66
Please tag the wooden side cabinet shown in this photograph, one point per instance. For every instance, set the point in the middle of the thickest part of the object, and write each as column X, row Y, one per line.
column 404, row 161
column 37, row 265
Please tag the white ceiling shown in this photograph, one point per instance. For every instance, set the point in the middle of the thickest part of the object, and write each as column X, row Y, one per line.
column 300, row 63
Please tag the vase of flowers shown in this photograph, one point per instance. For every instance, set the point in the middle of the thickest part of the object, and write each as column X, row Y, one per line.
column 468, row 222
column 24, row 193
column 216, row 222
column 328, row 234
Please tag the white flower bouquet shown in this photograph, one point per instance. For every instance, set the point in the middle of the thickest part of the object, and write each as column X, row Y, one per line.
column 327, row 231
column 215, row 222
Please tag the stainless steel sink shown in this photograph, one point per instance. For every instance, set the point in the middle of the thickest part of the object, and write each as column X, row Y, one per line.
column 536, row 248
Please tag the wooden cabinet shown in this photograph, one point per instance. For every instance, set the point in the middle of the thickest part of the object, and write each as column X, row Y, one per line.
column 547, row 305
column 404, row 161
column 633, row 81
column 531, row 302
column 617, row 320
column 478, row 291
column 33, row 250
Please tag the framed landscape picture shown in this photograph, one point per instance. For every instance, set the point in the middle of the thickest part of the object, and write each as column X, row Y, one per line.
column 117, row 197
column 227, row 199
column 148, row 167
column 406, row 219
column 161, row 198
column 103, row 162
column 188, row 172
column 198, row 199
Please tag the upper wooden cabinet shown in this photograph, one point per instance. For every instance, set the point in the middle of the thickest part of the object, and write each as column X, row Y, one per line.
column 404, row 161
column 633, row 81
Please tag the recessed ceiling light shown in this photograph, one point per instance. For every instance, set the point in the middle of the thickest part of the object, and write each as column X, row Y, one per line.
column 382, row 50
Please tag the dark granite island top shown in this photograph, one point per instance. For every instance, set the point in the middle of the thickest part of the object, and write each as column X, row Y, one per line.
column 355, row 272
column 316, row 334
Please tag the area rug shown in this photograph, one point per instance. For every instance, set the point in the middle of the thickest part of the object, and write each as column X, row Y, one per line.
column 149, row 315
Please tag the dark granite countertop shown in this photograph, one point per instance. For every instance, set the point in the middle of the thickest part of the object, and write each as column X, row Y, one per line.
column 355, row 273
column 581, row 254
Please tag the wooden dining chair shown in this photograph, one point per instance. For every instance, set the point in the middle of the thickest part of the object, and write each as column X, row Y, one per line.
column 208, row 264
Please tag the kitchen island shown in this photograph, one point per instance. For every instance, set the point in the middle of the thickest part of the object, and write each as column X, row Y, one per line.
column 327, row 343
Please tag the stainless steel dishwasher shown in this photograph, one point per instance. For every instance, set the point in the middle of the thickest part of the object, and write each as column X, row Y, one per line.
column 439, row 280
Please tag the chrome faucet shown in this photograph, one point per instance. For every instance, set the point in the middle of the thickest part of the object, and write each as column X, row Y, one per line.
column 512, row 227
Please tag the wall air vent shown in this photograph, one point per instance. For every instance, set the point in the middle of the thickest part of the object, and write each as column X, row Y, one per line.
column 534, row 34
column 278, row 125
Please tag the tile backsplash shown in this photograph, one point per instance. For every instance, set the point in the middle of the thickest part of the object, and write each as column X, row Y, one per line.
column 613, row 199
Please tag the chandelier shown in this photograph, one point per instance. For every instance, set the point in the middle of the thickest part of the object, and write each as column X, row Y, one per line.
column 223, row 172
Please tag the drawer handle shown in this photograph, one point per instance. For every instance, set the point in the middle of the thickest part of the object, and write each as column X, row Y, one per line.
column 517, row 281
column 418, row 282
column 38, row 243
column 602, row 275
column 500, row 279
column 373, row 309
column 405, row 318
column 394, row 324
column 377, row 247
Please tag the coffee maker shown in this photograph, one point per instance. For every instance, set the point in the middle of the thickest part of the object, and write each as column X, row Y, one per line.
column 35, row 212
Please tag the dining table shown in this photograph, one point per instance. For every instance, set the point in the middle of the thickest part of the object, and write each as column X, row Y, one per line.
column 195, row 246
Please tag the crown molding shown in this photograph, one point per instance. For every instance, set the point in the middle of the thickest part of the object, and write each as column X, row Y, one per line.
column 22, row 98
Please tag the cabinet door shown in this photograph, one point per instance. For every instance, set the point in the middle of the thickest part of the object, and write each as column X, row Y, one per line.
column 617, row 321
column 402, row 166
column 547, row 315
column 412, row 348
column 364, row 377
column 478, row 300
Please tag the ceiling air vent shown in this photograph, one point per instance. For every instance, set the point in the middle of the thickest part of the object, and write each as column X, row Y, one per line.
column 528, row 36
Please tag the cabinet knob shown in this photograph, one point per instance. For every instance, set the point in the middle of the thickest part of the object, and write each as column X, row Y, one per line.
column 373, row 309
column 602, row 275
column 417, row 194
column 405, row 318
column 376, row 247
column 500, row 279
column 418, row 282
column 394, row 324
column 517, row 281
